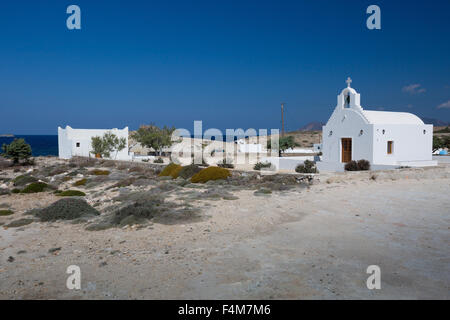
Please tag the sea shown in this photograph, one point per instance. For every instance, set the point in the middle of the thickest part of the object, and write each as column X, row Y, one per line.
column 41, row 145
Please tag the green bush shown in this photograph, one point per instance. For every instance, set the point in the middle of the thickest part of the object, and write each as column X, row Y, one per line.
column 307, row 167
column 17, row 150
column 98, row 172
column 19, row 223
column 6, row 212
column 81, row 182
column 159, row 160
column 23, row 180
column 188, row 171
column 171, row 170
column 71, row 193
column 211, row 173
column 15, row 190
column 258, row 166
column 35, row 187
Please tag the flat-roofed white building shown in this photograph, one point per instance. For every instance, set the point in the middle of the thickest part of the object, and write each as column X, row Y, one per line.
column 77, row 142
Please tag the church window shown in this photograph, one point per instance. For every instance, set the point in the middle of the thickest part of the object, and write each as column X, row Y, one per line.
column 424, row 131
column 384, row 131
column 78, row 144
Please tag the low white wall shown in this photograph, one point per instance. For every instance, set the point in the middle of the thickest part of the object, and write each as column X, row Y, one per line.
column 286, row 163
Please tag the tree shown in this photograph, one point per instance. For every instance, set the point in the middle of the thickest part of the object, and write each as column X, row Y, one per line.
column 17, row 150
column 154, row 137
column 441, row 142
column 284, row 143
column 107, row 144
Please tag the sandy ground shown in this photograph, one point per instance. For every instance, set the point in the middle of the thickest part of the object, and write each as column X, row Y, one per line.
column 303, row 244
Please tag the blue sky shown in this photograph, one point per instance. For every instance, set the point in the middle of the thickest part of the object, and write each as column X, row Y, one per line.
column 228, row 63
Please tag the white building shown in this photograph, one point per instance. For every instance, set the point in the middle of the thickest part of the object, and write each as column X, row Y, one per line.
column 383, row 138
column 77, row 142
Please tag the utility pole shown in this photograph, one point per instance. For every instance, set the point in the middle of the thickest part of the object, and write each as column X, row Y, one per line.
column 282, row 118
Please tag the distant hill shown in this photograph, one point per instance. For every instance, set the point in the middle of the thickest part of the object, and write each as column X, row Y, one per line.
column 313, row 126
column 435, row 122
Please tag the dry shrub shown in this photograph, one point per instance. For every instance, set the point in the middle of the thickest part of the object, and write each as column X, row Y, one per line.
column 6, row 212
column 171, row 170
column 136, row 169
column 307, row 167
column 81, row 182
column 351, row 166
column 66, row 209
column 124, row 183
column 211, row 174
column 145, row 208
column 71, row 193
column 23, row 180
column 98, row 172
column 188, row 171
column 109, row 164
column 361, row 165
column 83, row 162
column 19, row 223
column 258, row 166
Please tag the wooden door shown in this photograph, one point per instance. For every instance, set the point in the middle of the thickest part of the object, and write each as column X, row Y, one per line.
column 346, row 149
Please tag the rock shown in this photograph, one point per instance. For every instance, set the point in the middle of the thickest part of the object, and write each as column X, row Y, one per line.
column 54, row 250
column 11, row 259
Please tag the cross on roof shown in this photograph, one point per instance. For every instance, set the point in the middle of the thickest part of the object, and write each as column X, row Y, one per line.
column 348, row 81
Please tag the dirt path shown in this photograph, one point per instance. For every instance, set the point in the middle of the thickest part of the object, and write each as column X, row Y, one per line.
column 314, row 243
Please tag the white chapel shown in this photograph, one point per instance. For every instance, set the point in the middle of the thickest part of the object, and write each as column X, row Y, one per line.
column 383, row 138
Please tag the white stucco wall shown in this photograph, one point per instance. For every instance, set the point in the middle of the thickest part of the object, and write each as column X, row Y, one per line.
column 77, row 142
column 347, row 124
column 409, row 143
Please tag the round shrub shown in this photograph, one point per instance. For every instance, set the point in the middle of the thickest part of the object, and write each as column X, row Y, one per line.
column 71, row 193
column 98, row 172
column 211, row 173
column 6, row 212
column 159, row 160
column 188, row 171
column 23, row 180
column 35, row 187
column 66, row 209
column 307, row 167
column 81, row 182
column 363, row 165
column 171, row 170
column 351, row 166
